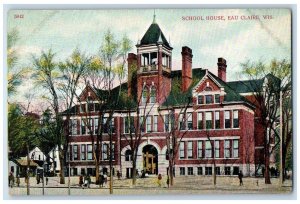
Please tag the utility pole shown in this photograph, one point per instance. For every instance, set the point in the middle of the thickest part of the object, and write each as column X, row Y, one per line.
column 43, row 174
column 69, row 167
column 110, row 165
column 28, row 168
column 281, row 142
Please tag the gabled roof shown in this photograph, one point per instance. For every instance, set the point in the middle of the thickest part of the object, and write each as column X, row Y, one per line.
column 177, row 98
column 153, row 35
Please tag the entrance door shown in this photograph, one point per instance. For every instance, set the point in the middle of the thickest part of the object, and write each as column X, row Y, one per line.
column 150, row 159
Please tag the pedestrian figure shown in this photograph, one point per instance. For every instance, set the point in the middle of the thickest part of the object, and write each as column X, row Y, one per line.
column 101, row 180
column 168, row 181
column 18, row 180
column 241, row 178
column 88, row 178
column 159, row 180
column 37, row 178
column 105, row 178
column 80, row 180
column 11, row 179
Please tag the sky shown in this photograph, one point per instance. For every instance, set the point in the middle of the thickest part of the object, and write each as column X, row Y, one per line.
column 235, row 40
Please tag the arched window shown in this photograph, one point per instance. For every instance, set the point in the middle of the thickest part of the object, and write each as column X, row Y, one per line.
column 153, row 94
column 128, row 155
column 144, row 95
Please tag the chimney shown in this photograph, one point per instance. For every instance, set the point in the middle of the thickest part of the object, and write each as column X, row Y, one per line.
column 222, row 68
column 186, row 72
column 132, row 71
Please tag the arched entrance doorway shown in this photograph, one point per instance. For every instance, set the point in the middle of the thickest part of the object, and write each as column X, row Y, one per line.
column 150, row 159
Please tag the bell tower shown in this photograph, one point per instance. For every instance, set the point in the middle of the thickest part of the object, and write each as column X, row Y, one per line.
column 154, row 65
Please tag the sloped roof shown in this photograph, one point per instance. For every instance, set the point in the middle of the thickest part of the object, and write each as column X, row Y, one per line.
column 23, row 162
column 177, row 97
column 152, row 36
column 246, row 86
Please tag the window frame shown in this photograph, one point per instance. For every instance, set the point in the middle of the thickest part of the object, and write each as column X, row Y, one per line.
column 234, row 149
column 83, row 152
column 227, row 149
column 217, row 121
column 208, row 150
column 234, row 120
column 200, row 121
column 207, row 121
column 228, row 120
column 199, row 150
column 89, row 151
column 217, row 149
column 211, row 99
column 181, row 150
column 215, row 99
column 190, row 150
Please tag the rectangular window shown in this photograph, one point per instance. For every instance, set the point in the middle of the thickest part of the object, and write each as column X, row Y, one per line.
column 129, row 124
column 181, row 122
column 208, row 120
column 167, row 125
column 236, row 170
column 190, row 171
column 227, row 149
column 199, row 171
column 190, row 121
column 208, row 150
column 217, row 98
column 126, row 125
column 91, row 107
column 181, row 150
column 155, row 123
column 227, row 170
column 182, row 171
column 217, row 149
column 109, row 126
column 218, row 170
column 142, row 124
column 208, row 99
column 200, row 121
column 149, row 125
column 227, row 119
column 208, row 170
column 73, row 126
column 200, row 100
column 83, row 152
column 90, row 126
column 217, row 120
column 90, row 152
column 235, row 119
column 83, row 126
column 105, row 152
column 190, row 149
column 235, row 148
column 96, row 125
column 200, row 155
column 82, row 108
column 75, row 152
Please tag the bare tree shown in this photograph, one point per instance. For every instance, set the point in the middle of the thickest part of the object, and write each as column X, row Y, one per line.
column 266, row 88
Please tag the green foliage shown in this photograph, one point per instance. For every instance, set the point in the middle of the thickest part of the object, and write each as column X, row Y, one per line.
column 22, row 130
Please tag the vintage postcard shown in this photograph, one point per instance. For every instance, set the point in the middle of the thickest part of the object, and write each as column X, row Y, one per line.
column 149, row 102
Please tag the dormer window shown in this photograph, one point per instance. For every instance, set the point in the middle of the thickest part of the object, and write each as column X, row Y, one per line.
column 208, row 99
column 217, row 98
column 200, row 100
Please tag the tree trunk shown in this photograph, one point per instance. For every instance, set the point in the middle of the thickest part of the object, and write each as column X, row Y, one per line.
column 97, row 172
column 267, row 162
column 62, row 165
column 133, row 172
column 215, row 175
column 171, row 176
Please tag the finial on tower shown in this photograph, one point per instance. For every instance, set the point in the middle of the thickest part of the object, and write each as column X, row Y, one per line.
column 154, row 17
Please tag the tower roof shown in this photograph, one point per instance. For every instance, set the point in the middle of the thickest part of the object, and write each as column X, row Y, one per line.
column 153, row 35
